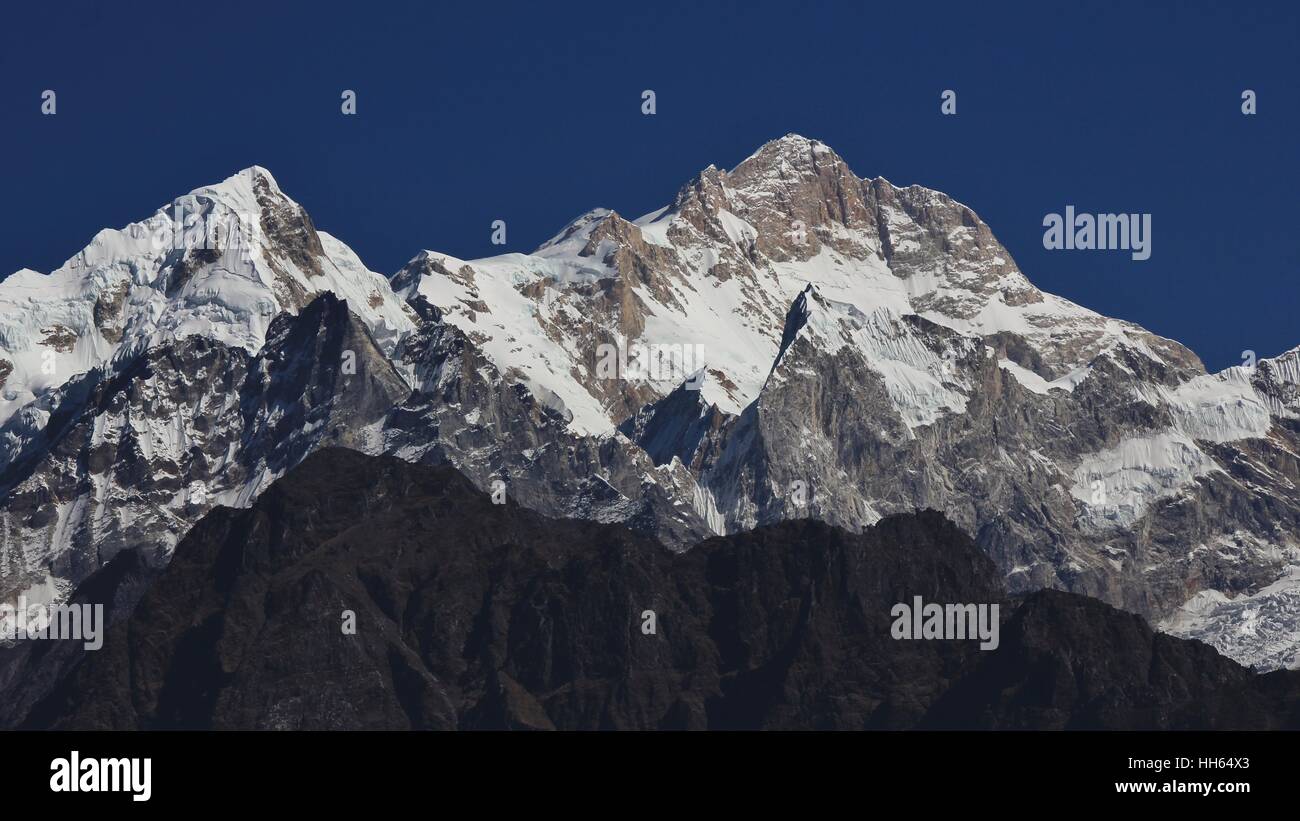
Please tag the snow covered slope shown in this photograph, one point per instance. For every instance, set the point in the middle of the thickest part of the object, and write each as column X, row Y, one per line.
column 220, row 262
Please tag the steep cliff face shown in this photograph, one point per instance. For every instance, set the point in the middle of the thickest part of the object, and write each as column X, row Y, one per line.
column 366, row 592
column 132, row 455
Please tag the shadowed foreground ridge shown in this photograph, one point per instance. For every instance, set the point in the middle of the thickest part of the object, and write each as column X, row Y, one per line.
column 473, row 615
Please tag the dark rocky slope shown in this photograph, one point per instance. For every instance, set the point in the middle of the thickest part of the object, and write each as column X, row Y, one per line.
column 474, row 615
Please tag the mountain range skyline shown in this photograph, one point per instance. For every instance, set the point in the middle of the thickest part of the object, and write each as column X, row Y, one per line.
column 448, row 140
column 887, row 356
column 550, row 238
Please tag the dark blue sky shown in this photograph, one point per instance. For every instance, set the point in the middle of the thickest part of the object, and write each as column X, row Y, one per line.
column 530, row 113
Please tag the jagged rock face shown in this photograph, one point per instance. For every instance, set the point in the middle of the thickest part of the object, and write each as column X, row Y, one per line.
column 1004, row 462
column 129, row 460
column 1278, row 381
column 801, row 181
column 321, row 379
column 123, row 461
column 473, row 615
column 494, row 429
column 133, row 457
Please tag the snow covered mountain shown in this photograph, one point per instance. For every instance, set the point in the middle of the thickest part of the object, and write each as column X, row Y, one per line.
column 877, row 347
column 187, row 294
column 220, row 262
column 783, row 340
column 721, row 266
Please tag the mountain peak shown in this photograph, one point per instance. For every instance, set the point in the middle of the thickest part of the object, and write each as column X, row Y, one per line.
column 791, row 142
column 252, row 174
column 219, row 262
column 247, row 192
column 794, row 151
column 579, row 226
